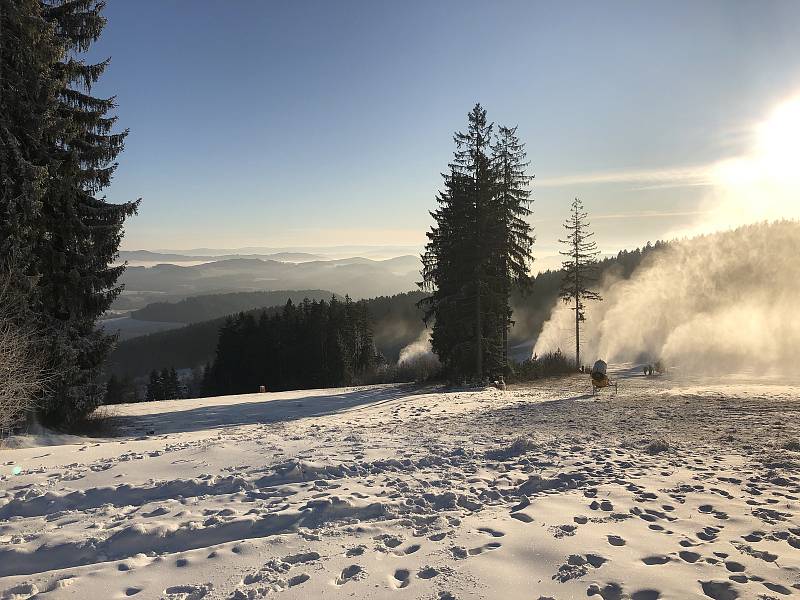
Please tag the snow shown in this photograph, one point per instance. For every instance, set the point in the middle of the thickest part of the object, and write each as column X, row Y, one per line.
column 539, row 491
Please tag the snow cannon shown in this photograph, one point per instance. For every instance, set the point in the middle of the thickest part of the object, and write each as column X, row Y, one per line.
column 599, row 377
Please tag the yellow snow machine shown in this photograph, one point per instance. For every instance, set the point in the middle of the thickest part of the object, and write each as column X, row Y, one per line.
column 599, row 377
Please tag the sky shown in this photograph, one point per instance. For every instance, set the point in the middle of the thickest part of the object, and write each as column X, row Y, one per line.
column 296, row 124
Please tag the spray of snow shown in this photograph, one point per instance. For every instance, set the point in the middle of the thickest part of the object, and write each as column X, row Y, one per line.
column 418, row 349
column 723, row 302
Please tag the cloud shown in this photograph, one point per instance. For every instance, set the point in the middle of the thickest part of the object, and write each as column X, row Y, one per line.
column 672, row 177
column 650, row 214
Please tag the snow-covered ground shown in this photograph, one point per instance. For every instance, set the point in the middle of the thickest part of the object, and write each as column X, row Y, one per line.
column 540, row 491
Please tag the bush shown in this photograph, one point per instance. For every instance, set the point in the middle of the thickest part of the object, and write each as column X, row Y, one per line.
column 419, row 369
column 22, row 373
column 101, row 422
column 551, row 364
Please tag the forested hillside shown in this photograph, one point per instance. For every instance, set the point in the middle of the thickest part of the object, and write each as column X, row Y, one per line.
column 395, row 320
column 211, row 306
column 308, row 345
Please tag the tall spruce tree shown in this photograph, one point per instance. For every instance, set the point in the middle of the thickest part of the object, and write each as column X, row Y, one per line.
column 478, row 249
column 514, row 235
column 580, row 268
column 455, row 258
column 57, row 150
column 79, row 231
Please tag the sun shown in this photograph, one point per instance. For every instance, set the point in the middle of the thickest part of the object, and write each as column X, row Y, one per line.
column 778, row 143
column 763, row 184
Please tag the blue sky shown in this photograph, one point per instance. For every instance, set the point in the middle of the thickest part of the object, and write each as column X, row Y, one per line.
column 259, row 123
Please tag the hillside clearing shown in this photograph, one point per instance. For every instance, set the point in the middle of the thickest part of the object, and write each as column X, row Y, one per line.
column 539, row 491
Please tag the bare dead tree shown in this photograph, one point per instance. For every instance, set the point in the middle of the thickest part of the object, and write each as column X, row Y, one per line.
column 23, row 373
column 580, row 268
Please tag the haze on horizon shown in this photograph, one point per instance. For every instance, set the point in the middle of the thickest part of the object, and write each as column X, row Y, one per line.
column 312, row 124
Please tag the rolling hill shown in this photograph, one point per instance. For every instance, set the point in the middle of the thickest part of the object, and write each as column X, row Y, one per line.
column 359, row 277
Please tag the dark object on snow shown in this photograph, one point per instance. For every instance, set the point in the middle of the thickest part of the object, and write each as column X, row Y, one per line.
column 599, row 370
column 600, row 377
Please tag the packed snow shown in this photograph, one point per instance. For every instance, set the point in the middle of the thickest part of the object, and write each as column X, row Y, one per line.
column 675, row 487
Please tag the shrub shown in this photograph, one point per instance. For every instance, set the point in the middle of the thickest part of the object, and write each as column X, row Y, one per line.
column 101, row 422
column 419, row 369
column 551, row 364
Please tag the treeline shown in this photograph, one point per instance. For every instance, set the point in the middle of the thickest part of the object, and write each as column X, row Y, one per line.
column 396, row 321
column 163, row 385
column 309, row 345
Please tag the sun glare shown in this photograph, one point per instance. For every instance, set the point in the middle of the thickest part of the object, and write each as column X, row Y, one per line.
column 765, row 183
column 778, row 144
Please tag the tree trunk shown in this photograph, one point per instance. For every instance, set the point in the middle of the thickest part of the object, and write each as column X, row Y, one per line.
column 505, row 346
column 478, row 333
column 577, row 332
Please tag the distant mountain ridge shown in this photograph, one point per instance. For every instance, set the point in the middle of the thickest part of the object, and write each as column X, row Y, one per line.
column 376, row 252
column 148, row 256
column 358, row 277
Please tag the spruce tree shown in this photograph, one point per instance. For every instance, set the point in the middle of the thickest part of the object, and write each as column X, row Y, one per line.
column 175, row 386
column 155, row 389
column 580, row 268
column 478, row 250
column 513, row 236
column 113, row 391
column 167, row 392
column 119, row 390
column 454, row 262
column 79, row 231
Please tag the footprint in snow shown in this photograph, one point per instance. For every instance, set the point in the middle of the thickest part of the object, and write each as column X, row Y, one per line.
column 690, row 557
column 298, row 579
column 401, row 578
column 656, row 560
column 521, row 516
column 427, row 573
column 491, row 532
column 484, row 548
column 350, row 573
column 615, row 540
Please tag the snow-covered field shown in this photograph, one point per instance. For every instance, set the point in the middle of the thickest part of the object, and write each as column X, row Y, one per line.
column 540, row 491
